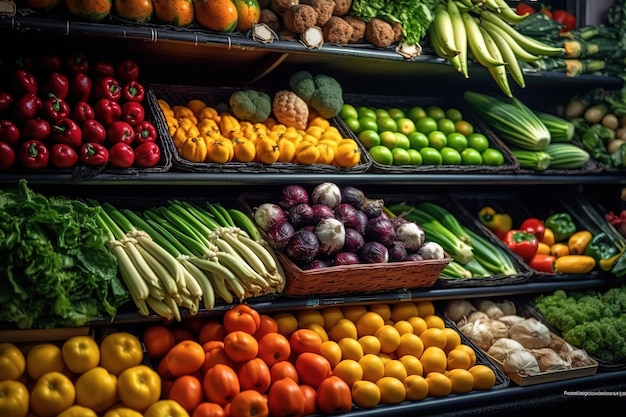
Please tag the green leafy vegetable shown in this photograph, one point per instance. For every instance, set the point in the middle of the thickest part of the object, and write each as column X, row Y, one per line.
column 55, row 269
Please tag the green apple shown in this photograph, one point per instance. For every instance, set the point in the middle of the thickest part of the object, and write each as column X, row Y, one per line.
column 405, row 125
column 402, row 140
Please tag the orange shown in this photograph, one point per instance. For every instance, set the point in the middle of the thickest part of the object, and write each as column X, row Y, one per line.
column 349, row 370
column 395, row 368
column 425, row 307
column 331, row 316
column 365, row 394
column 458, row 359
column 353, row 313
column 381, row 308
column 343, row 328
column 410, row 344
column 389, row 338
column 216, row 15
column 44, row 358
column 80, row 353
column 319, row 330
column 470, row 351
column 370, row 344
column 248, row 14
column 462, row 380
column 392, row 390
column 332, row 352
column 433, row 320
column 139, row 11
column 434, row 336
column 350, row 348
column 412, row 365
column 305, row 340
column 403, row 326
column 368, row 323
column 439, row 385
column 416, row 387
column 453, row 339
column 158, row 340
column 484, row 377
column 418, row 323
column 306, row 317
column 287, row 323
column 174, row 12
column 373, row 367
column 433, row 359
column 403, row 311
column 90, row 10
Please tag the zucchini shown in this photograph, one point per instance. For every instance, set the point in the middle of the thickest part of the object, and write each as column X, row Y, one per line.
column 534, row 160
column 511, row 119
column 566, row 156
column 561, row 130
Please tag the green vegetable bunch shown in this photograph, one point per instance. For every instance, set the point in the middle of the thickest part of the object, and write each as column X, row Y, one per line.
column 593, row 321
column 321, row 92
column 56, row 269
column 252, row 105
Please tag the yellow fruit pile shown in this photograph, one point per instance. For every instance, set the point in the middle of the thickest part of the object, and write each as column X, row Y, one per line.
column 79, row 377
column 202, row 134
column 390, row 353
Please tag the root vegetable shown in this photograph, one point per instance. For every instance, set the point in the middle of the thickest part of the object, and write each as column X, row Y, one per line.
column 302, row 247
column 301, row 215
column 326, row 193
column 610, row 120
column 292, row 195
column 380, row 229
column 298, row 18
column 269, row 214
column 379, row 33
column 332, row 236
column 431, row 250
column 337, row 30
column 373, row 253
column 411, row 235
column 346, row 258
column 353, row 196
column 397, row 252
column 456, row 309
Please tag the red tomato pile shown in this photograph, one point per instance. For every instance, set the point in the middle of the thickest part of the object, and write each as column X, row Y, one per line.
column 62, row 111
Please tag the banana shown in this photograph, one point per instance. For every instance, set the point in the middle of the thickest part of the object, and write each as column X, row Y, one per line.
column 498, row 72
column 460, row 36
column 529, row 44
column 445, row 32
column 508, row 14
column 521, row 53
column 492, row 5
column 476, row 42
column 440, row 49
column 509, row 58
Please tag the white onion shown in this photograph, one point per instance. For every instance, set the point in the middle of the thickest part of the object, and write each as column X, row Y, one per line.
column 332, row 236
column 411, row 235
column 326, row 193
column 268, row 215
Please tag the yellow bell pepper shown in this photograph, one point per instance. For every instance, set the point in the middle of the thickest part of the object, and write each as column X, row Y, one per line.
column 209, row 113
column 166, row 408
column 120, row 351
column 559, row 249
column 183, row 132
column 577, row 243
column 139, row 387
column 208, row 128
column 78, row 411
column 12, row 361
column 53, row 392
column 499, row 223
column 229, row 125
column 194, row 149
column 14, row 398
column 122, row 412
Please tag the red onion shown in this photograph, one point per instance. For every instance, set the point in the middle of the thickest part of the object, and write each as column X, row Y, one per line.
column 380, row 229
column 302, row 247
column 354, row 240
column 326, row 193
column 320, row 212
column 414, row 257
column 332, row 236
column 397, row 252
column 353, row 196
column 279, row 235
column 374, row 253
column 346, row 258
column 346, row 213
column 363, row 219
column 293, row 195
column 269, row 214
column 316, row 264
column 300, row 215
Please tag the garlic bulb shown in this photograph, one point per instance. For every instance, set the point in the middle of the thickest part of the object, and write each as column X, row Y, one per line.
column 457, row 309
column 549, row 360
column 490, row 308
column 498, row 329
column 477, row 315
column 521, row 362
column 511, row 319
column 559, row 345
column 502, row 347
column 579, row 357
column 479, row 333
column 507, row 307
column 531, row 333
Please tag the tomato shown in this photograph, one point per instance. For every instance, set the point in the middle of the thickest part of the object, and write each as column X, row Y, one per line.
column 214, row 354
column 565, row 18
column 312, row 368
column 12, row 361
column 334, row 396
column 524, row 8
column 166, row 408
column 274, row 347
column 185, row 358
column 13, row 399
column 158, row 340
column 187, row 391
column 241, row 317
column 254, row 374
column 96, row 389
column 207, row 409
column 310, row 399
column 53, row 392
column 211, row 330
column 249, row 403
column 139, row 387
column 305, row 340
column 80, row 353
column 285, row 398
column 120, row 351
column 221, row 384
column 266, row 325
column 284, row 369
column 241, row 346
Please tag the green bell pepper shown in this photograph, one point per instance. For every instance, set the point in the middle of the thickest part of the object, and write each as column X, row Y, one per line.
column 561, row 225
column 600, row 247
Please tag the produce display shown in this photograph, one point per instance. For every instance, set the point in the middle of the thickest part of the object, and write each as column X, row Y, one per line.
column 61, row 112
column 521, row 345
column 416, row 135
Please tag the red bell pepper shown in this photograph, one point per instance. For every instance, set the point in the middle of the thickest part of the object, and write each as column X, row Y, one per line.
column 82, row 111
column 9, row 132
column 68, row 132
column 63, row 156
column 77, row 62
column 7, row 156
column 103, row 69
column 565, row 18
column 57, row 84
column 133, row 113
column 107, row 87
column 24, row 82
column 524, row 8
column 121, row 155
column 54, row 108
column 80, row 87
column 145, row 132
column 93, row 131
column 36, row 128
column 50, row 63
column 107, row 111
column 534, row 226
column 521, row 243
column 120, row 131
column 33, row 154
column 133, row 91
column 6, row 101
column 147, row 155
column 543, row 263
column 127, row 70
column 93, row 154
column 26, row 107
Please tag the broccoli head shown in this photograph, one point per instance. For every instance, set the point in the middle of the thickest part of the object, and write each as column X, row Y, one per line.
column 251, row 105
column 321, row 92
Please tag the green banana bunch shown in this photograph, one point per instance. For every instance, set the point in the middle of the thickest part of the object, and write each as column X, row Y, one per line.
column 485, row 31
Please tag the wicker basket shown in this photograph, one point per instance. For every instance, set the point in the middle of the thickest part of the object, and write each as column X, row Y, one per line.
column 345, row 279
column 510, row 162
column 181, row 94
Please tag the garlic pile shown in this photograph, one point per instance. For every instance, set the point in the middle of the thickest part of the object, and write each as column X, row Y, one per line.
column 522, row 345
